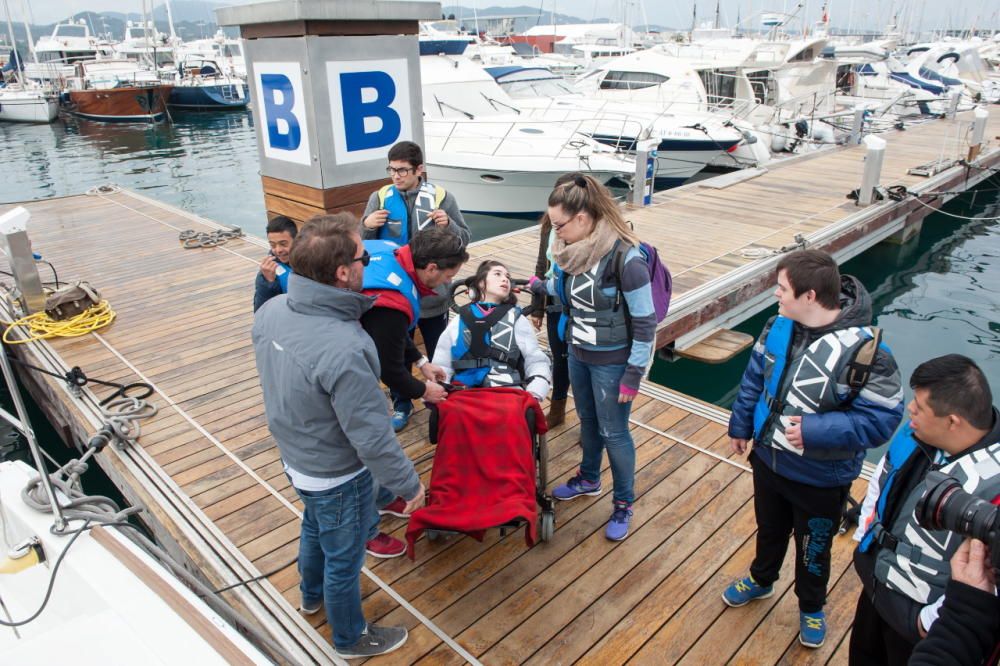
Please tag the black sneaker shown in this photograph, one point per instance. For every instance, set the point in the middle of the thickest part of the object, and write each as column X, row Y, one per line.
column 374, row 641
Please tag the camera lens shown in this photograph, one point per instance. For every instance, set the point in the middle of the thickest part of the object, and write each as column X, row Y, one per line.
column 945, row 506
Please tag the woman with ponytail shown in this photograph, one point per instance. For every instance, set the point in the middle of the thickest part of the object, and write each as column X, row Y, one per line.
column 608, row 323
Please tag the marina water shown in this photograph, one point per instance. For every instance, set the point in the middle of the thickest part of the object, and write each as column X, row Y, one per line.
column 935, row 295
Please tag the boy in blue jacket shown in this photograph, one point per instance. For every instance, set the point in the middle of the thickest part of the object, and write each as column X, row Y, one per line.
column 809, row 425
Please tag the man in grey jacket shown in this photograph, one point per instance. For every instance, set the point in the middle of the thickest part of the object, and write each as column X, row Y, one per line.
column 399, row 211
column 319, row 373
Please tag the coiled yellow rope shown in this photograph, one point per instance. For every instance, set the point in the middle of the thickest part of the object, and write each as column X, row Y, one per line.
column 40, row 326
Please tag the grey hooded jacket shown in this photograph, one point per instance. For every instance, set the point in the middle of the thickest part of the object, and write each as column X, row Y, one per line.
column 319, row 373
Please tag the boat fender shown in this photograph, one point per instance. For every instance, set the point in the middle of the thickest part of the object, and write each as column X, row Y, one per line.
column 23, row 556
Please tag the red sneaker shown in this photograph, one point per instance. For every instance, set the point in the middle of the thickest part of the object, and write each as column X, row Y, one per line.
column 394, row 508
column 385, row 547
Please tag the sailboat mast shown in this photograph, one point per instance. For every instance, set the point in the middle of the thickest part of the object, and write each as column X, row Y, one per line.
column 170, row 22
column 27, row 31
column 13, row 43
column 718, row 14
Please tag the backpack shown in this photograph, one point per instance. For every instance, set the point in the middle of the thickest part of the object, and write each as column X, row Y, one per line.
column 659, row 278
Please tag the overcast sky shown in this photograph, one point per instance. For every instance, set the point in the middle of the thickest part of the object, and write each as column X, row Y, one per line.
column 870, row 14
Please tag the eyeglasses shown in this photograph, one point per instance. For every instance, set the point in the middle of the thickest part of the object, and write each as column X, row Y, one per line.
column 559, row 225
column 401, row 171
column 365, row 258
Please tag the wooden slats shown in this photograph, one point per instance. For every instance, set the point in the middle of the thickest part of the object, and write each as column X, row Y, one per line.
column 184, row 321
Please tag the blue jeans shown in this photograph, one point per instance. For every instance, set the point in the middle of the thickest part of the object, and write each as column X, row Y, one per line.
column 332, row 552
column 383, row 498
column 604, row 424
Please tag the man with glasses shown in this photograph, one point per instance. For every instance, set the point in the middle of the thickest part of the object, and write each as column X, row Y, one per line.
column 400, row 278
column 326, row 413
column 396, row 213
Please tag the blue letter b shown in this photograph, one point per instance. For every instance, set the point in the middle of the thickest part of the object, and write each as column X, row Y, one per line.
column 356, row 109
column 273, row 111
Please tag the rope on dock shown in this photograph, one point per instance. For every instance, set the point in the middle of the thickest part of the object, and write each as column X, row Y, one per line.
column 192, row 239
column 40, row 326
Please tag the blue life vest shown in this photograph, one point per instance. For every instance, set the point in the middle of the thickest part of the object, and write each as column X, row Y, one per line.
column 282, row 273
column 901, row 448
column 397, row 225
column 485, row 351
column 777, row 345
column 385, row 272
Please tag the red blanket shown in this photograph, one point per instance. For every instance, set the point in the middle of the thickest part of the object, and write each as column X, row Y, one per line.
column 484, row 465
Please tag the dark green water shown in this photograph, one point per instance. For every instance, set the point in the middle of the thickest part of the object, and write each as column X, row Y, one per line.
column 938, row 294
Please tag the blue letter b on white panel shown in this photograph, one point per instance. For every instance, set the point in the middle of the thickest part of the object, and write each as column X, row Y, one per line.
column 283, row 111
column 369, row 107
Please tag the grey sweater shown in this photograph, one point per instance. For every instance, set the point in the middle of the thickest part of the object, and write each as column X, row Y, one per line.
column 319, row 373
column 437, row 305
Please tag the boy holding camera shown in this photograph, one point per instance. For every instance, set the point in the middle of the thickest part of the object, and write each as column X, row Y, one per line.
column 903, row 565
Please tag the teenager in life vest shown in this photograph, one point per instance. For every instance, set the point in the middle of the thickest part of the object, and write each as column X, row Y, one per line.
column 272, row 278
column 396, row 213
column 609, row 332
column 953, row 428
column 489, row 343
column 398, row 278
column 810, row 421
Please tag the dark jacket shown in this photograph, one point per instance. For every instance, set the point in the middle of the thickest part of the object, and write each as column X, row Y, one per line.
column 318, row 371
column 866, row 422
column 264, row 290
column 437, row 304
column 966, row 632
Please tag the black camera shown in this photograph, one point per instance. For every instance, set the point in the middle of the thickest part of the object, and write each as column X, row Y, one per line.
column 945, row 506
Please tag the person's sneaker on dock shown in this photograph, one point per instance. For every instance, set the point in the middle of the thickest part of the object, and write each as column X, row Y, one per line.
column 385, row 547
column 576, row 487
column 310, row 608
column 394, row 508
column 618, row 525
column 744, row 591
column 812, row 629
column 401, row 410
column 375, row 640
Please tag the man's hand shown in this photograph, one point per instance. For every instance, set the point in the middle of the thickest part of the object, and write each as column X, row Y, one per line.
column 417, row 501
column 793, row 432
column 440, row 217
column 376, row 219
column 434, row 393
column 536, row 321
column 434, row 373
column 738, row 446
column 971, row 565
column 269, row 268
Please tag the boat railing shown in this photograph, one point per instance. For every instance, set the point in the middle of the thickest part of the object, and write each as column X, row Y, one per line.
column 571, row 134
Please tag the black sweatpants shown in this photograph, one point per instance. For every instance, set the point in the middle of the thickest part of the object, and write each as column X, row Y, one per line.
column 783, row 506
column 873, row 641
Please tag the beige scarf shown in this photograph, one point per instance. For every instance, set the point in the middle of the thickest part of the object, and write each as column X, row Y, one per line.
column 581, row 256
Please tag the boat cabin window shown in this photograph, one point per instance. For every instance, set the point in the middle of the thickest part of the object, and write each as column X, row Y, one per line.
column 720, row 86
column 231, row 51
column 620, row 80
column 71, row 31
column 762, row 84
column 805, row 55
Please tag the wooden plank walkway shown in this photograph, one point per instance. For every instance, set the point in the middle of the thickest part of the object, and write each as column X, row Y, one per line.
column 209, row 473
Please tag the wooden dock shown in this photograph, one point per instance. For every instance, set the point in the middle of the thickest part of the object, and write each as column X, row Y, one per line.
column 209, row 476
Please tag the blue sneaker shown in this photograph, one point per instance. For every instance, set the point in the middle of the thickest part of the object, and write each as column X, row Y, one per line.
column 812, row 629
column 744, row 591
column 576, row 487
column 401, row 414
column 618, row 525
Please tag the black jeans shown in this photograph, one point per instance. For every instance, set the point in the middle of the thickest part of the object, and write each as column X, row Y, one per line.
column 873, row 641
column 560, row 364
column 783, row 506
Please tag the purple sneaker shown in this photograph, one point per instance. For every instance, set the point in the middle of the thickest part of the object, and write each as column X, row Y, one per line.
column 576, row 487
column 618, row 525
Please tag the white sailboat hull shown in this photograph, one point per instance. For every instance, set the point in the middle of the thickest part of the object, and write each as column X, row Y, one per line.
column 27, row 108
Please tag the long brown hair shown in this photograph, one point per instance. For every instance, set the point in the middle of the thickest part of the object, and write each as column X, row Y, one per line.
column 476, row 283
column 582, row 193
column 546, row 221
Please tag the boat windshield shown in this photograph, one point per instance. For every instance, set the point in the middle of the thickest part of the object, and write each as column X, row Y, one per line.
column 66, row 30
column 620, row 80
column 554, row 87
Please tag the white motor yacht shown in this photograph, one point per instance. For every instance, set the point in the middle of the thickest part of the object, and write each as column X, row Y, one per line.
column 490, row 153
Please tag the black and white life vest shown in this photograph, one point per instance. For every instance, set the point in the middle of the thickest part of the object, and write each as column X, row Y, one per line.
column 590, row 316
column 912, row 560
column 812, row 387
column 485, row 352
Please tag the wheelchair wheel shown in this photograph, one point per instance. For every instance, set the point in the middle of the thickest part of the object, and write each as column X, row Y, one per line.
column 548, row 525
column 434, row 535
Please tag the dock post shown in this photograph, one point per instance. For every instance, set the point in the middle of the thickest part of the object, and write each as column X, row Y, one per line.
column 334, row 85
column 873, row 169
column 953, row 99
column 14, row 229
column 976, row 137
column 645, row 173
column 858, row 125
